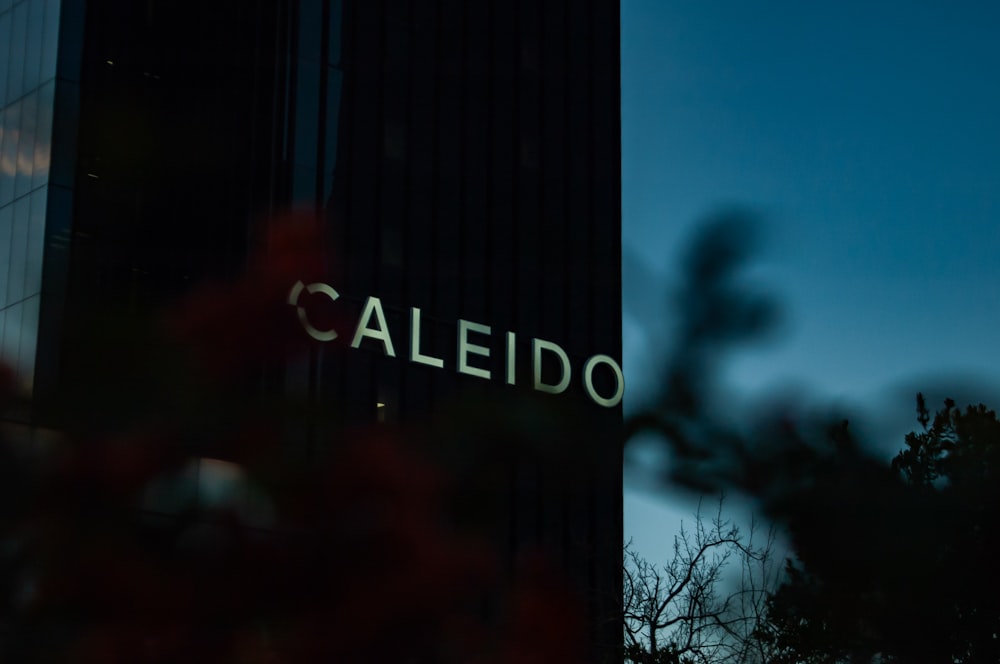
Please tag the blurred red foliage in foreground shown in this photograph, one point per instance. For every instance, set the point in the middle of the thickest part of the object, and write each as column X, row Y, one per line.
column 235, row 325
column 349, row 558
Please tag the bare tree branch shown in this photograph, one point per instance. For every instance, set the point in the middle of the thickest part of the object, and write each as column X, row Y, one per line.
column 684, row 612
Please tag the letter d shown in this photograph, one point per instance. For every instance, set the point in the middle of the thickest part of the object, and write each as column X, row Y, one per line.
column 537, row 346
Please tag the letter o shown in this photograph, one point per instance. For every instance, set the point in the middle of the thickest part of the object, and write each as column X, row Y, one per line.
column 588, row 380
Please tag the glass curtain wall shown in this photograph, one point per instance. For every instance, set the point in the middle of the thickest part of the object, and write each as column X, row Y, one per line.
column 28, row 45
column 314, row 89
column 311, row 101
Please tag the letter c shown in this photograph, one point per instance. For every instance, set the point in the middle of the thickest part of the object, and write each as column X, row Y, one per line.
column 312, row 289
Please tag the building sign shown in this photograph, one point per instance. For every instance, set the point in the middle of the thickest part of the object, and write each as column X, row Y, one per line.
column 471, row 338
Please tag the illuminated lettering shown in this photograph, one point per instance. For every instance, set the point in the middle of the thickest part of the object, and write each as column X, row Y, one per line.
column 312, row 289
column 372, row 325
column 588, row 381
column 510, row 358
column 373, row 306
column 415, row 354
column 465, row 348
column 537, row 346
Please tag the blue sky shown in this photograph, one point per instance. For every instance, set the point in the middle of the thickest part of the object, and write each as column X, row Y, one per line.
column 867, row 134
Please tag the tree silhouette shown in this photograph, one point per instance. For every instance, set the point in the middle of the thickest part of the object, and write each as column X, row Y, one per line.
column 892, row 562
column 932, row 596
column 693, row 609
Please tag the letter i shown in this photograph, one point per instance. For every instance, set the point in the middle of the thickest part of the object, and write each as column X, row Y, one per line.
column 510, row 358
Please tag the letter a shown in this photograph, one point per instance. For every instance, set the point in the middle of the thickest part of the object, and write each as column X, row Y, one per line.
column 373, row 305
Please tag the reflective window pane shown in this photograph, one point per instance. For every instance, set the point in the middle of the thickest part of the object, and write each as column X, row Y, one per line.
column 43, row 135
column 36, row 242
column 4, row 55
column 10, row 125
column 18, row 38
column 50, row 39
column 18, row 251
column 336, row 9
column 6, row 227
column 10, row 345
column 33, row 51
column 28, row 344
column 304, row 185
column 333, row 84
column 307, row 114
column 26, row 145
column 310, row 28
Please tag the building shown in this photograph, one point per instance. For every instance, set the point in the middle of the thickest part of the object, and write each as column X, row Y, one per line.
column 467, row 155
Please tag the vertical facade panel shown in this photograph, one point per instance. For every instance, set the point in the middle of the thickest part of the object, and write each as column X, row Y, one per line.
column 476, row 220
column 449, row 174
column 579, row 177
column 503, row 160
column 393, row 187
column 420, row 163
column 552, row 166
column 364, row 162
column 421, row 173
column 527, row 203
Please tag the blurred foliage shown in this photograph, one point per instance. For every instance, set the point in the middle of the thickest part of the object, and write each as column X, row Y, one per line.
column 892, row 563
column 922, row 583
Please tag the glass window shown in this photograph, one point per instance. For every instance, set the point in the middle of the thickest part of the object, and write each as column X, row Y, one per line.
column 58, row 214
column 5, row 58
column 33, row 54
column 391, row 246
column 18, row 37
column 63, row 172
column 50, row 40
column 26, row 144
column 304, row 185
column 11, row 341
column 10, row 126
column 6, row 222
column 36, row 242
column 332, row 119
column 310, row 29
column 307, row 114
column 394, row 140
column 336, row 11
column 43, row 135
column 18, row 251
column 28, row 343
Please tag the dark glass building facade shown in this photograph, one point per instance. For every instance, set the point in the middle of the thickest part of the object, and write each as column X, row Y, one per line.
column 28, row 46
column 466, row 156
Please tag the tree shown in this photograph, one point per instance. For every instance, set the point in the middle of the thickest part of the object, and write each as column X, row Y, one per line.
column 682, row 612
column 933, row 596
column 892, row 563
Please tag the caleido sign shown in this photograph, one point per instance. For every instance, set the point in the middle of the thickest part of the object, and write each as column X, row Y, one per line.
column 471, row 337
